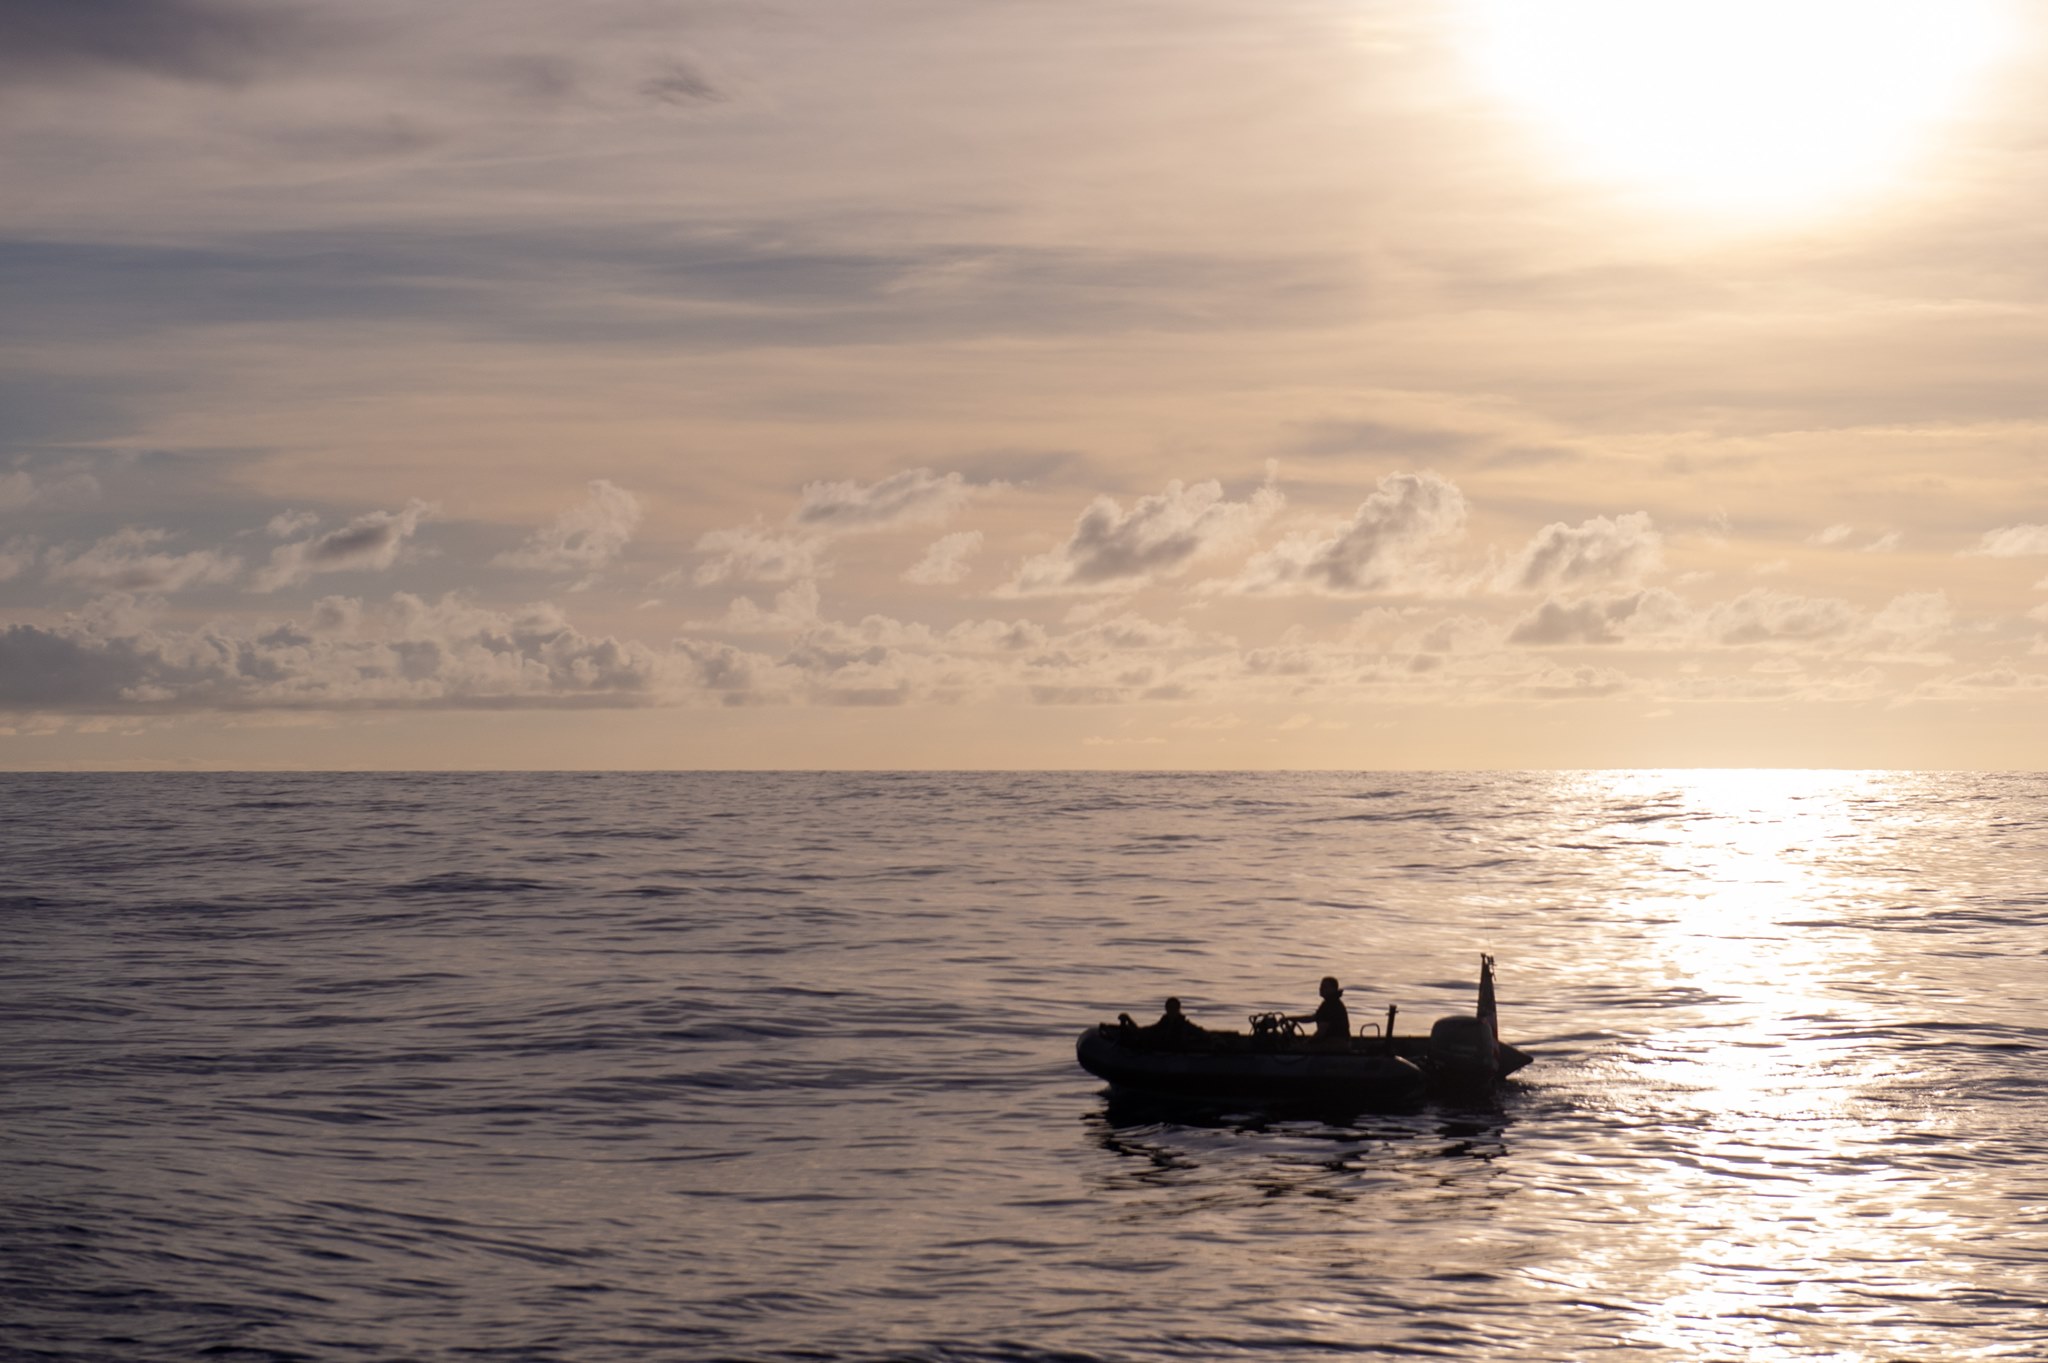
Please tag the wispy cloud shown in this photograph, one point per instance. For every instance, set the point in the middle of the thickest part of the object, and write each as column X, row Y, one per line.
column 131, row 560
column 1112, row 549
column 583, row 540
column 2012, row 541
column 945, row 562
column 913, row 497
column 1766, row 616
column 1392, row 543
column 368, row 543
column 21, row 490
column 752, row 554
column 1596, row 620
column 1600, row 552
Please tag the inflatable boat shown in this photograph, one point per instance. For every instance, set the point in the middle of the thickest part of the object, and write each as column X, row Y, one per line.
column 1274, row 1062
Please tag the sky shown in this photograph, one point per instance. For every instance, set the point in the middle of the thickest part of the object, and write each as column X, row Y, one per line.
column 1022, row 384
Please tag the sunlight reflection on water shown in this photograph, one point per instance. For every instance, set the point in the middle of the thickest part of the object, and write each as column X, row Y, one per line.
column 1775, row 1216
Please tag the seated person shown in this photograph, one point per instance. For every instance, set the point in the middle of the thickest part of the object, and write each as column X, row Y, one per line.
column 1174, row 1025
column 1332, row 1019
column 1174, row 1028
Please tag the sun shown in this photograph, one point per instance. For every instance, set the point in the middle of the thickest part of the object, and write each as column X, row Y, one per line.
column 1740, row 104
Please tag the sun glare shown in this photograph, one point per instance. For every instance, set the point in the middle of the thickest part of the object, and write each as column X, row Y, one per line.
column 1740, row 104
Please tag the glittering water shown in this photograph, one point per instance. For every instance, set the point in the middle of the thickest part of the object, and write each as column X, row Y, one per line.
column 780, row 1066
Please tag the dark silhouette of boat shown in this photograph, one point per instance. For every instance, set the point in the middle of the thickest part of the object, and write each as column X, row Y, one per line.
column 1275, row 1063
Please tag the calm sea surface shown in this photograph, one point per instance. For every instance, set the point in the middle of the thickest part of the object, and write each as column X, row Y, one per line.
column 776, row 1067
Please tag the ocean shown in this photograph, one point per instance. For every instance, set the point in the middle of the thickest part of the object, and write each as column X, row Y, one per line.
column 780, row 1067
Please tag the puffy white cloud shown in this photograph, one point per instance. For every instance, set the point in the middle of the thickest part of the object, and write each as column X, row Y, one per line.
column 1390, row 545
column 912, row 497
column 2012, row 541
column 1594, row 553
column 286, row 524
column 370, row 542
column 130, row 561
column 1115, row 550
column 945, row 562
column 584, row 539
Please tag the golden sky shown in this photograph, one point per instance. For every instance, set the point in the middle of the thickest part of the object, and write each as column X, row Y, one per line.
column 1023, row 383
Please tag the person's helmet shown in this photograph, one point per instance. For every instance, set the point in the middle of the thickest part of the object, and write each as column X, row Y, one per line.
column 1330, row 989
column 1173, row 1005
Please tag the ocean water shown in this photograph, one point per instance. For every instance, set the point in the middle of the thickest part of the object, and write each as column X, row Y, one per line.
column 780, row 1066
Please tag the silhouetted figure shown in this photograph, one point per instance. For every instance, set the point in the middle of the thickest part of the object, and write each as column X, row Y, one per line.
column 1174, row 1029
column 1332, row 1019
column 1174, row 1025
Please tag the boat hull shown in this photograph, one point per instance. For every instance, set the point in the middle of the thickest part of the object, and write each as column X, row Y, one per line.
column 1287, row 1076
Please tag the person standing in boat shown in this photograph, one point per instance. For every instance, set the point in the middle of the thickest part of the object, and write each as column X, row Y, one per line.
column 1332, row 1018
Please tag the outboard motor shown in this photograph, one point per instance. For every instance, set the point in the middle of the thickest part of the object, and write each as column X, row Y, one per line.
column 1462, row 1048
column 1469, row 1047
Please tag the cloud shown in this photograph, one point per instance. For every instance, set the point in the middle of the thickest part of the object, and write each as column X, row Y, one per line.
column 2012, row 541
column 827, row 510
column 681, row 84
column 1376, row 438
column 1976, row 684
column 1593, row 620
column 584, row 539
column 914, row 496
column 286, row 524
column 1389, row 545
column 1916, row 617
column 1834, row 534
column 370, row 542
column 1575, row 683
column 1115, row 550
column 17, row 556
column 407, row 653
column 945, row 562
column 20, row 490
column 732, row 675
column 202, row 40
column 795, row 610
column 1764, row 616
column 1596, row 552
column 127, row 561
column 752, row 554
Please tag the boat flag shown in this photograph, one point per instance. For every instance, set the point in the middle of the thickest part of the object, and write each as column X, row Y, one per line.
column 1489, row 1011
